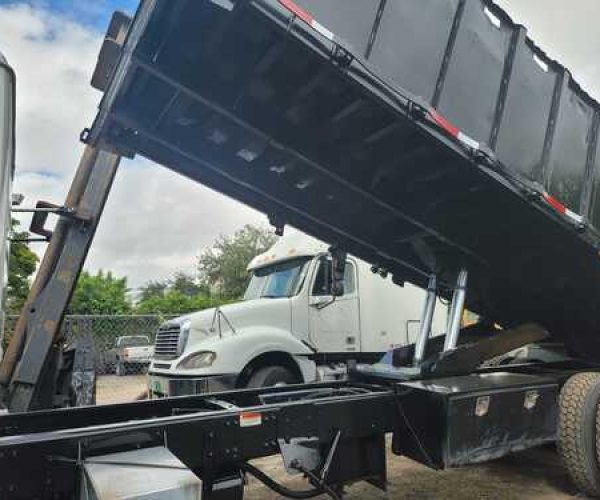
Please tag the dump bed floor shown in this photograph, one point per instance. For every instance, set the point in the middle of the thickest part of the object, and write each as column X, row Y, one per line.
column 254, row 103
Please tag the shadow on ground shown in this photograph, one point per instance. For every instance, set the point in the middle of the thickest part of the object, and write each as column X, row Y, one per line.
column 536, row 474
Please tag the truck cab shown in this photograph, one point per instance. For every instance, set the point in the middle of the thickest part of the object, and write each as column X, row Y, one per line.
column 288, row 328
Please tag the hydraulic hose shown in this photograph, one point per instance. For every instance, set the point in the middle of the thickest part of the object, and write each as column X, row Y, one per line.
column 278, row 488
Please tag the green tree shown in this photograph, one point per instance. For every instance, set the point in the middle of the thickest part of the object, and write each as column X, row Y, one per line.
column 223, row 265
column 182, row 282
column 175, row 302
column 21, row 265
column 179, row 295
column 101, row 293
column 153, row 289
column 187, row 285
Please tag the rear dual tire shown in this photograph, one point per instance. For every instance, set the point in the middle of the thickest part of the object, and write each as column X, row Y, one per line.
column 579, row 431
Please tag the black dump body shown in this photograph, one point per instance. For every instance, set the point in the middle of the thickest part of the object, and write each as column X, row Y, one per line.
column 420, row 135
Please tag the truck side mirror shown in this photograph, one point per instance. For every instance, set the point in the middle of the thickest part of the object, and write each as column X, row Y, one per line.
column 338, row 268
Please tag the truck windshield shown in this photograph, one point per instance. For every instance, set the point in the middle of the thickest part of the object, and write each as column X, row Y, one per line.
column 278, row 280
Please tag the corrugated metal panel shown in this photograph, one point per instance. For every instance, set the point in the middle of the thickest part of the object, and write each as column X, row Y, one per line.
column 476, row 66
column 426, row 24
column 351, row 20
column 479, row 54
column 566, row 171
column 522, row 134
column 595, row 194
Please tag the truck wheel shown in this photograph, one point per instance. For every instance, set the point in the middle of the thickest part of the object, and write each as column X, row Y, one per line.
column 120, row 369
column 578, row 426
column 270, row 376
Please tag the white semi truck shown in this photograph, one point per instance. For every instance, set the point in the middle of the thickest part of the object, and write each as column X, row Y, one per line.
column 288, row 329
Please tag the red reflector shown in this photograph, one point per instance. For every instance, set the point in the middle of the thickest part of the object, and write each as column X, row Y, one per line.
column 296, row 10
column 444, row 123
column 250, row 419
column 554, row 203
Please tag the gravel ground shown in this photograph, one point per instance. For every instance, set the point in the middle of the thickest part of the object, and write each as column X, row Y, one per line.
column 536, row 474
column 113, row 389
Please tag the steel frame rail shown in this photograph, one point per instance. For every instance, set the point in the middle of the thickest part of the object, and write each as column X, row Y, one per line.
column 212, row 434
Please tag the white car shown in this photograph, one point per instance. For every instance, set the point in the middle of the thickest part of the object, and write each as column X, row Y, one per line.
column 132, row 353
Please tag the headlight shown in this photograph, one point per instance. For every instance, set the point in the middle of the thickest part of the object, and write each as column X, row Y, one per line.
column 202, row 359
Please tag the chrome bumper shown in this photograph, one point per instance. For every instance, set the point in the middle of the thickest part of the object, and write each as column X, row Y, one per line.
column 160, row 386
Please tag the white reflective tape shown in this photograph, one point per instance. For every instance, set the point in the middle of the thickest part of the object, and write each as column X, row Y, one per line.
column 465, row 139
column 576, row 217
column 224, row 4
column 322, row 30
column 493, row 19
column 562, row 209
column 540, row 63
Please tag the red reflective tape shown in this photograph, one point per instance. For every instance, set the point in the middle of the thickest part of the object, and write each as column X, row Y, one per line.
column 441, row 121
column 451, row 129
column 562, row 209
column 555, row 204
column 297, row 10
column 250, row 419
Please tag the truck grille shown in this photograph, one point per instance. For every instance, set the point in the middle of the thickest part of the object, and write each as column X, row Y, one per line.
column 166, row 345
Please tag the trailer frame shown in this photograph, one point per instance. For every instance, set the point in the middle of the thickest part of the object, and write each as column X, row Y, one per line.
column 215, row 435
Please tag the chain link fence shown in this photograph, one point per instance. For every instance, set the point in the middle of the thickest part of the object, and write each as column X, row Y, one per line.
column 123, row 346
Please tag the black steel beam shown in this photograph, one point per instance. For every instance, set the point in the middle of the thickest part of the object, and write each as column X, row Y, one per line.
column 37, row 349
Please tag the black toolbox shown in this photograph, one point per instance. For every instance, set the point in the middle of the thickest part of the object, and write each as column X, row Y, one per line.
column 456, row 421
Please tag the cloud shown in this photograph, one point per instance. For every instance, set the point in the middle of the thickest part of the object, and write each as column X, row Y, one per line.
column 53, row 59
column 92, row 13
column 155, row 221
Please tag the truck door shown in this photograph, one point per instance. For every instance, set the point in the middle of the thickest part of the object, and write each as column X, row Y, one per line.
column 334, row 324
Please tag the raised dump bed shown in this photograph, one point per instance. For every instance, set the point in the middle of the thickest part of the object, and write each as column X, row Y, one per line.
column 421, row 135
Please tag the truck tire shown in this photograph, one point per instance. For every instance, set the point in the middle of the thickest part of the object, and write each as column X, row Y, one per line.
column 578, row 425
column 120, row 369
column 270, row 376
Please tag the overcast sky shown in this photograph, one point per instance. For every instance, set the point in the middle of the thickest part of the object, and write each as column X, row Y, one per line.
column 156, row 222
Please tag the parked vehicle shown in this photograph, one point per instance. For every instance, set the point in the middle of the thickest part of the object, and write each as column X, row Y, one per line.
column 130, row 354
column 288, row 328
